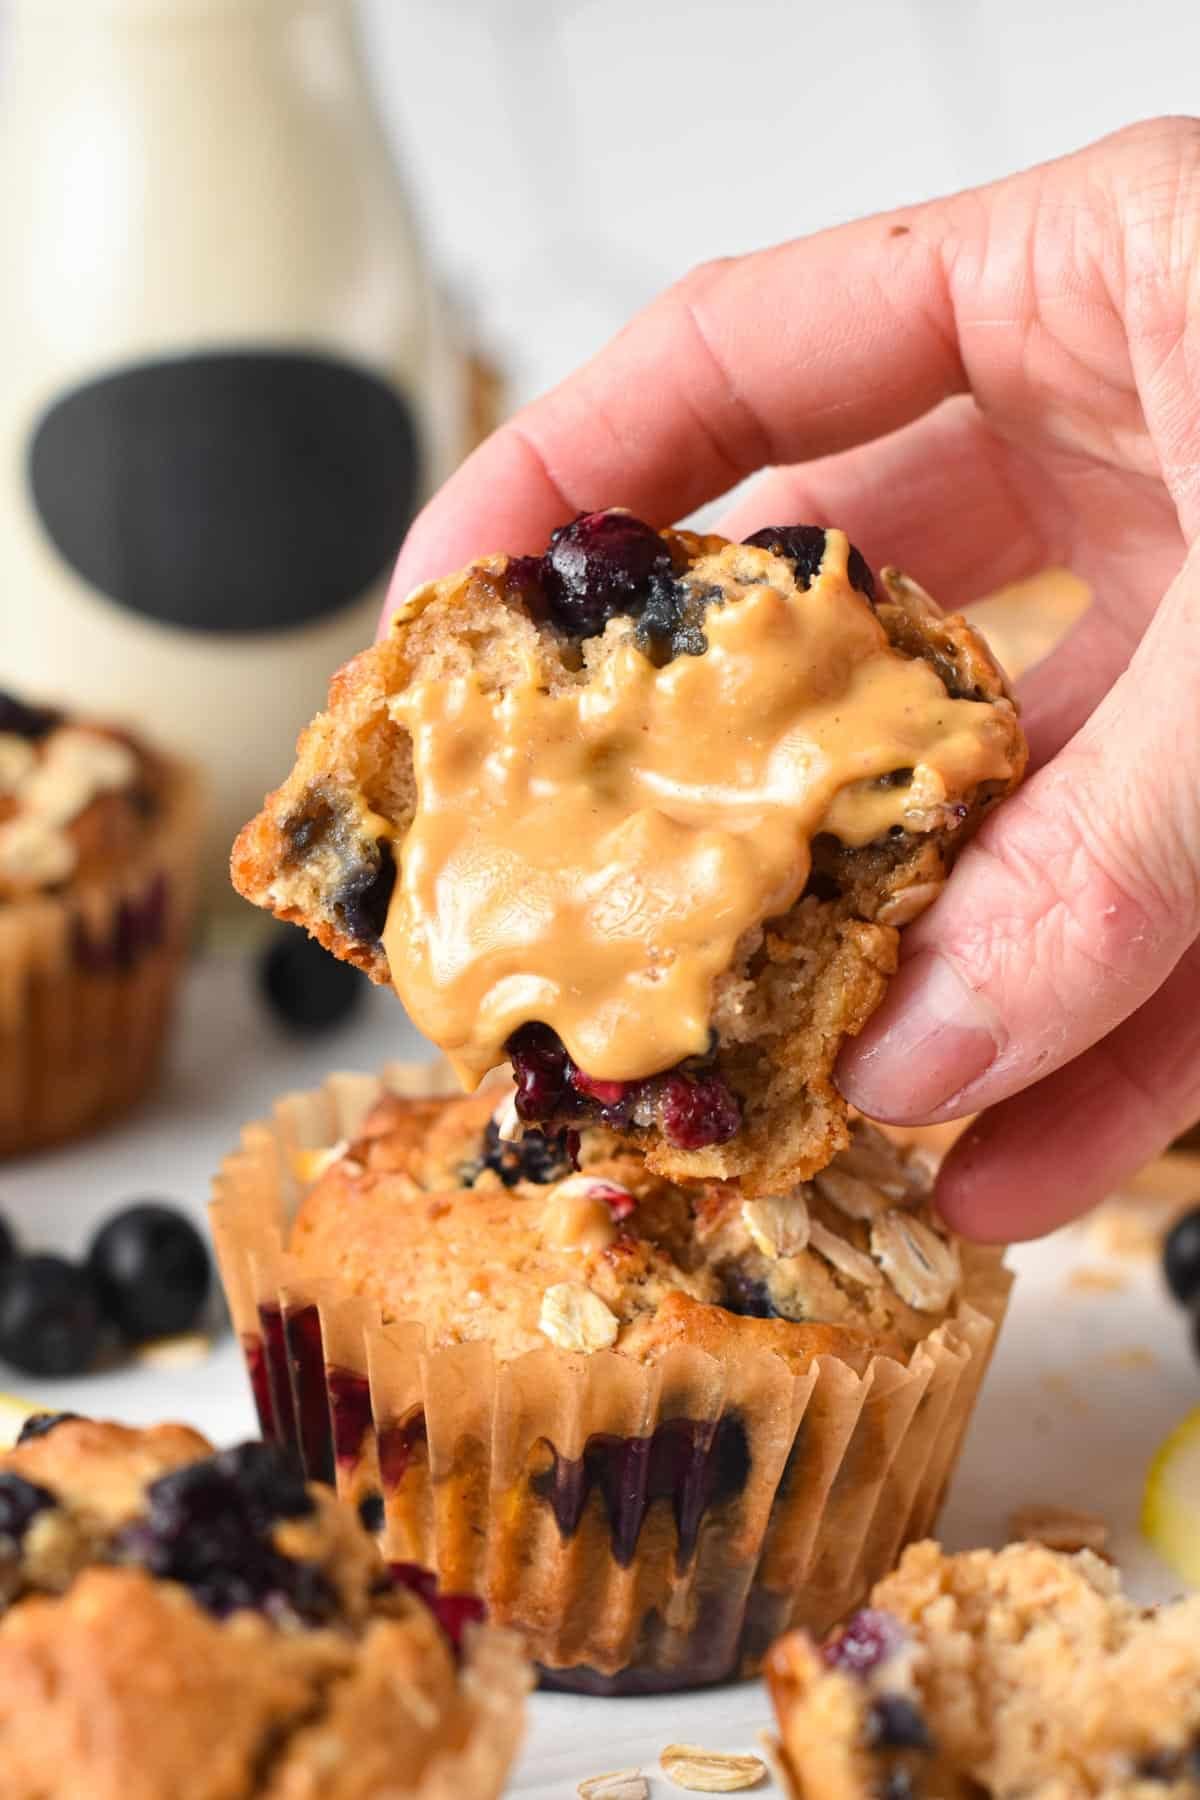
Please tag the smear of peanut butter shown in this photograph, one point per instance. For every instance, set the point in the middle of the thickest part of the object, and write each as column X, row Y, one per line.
column 590, row 857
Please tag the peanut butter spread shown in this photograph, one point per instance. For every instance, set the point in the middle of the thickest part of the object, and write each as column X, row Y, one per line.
column 589, row 853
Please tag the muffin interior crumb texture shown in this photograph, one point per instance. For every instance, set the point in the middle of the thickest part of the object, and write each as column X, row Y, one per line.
column 645, row 815
column 1023, row 1674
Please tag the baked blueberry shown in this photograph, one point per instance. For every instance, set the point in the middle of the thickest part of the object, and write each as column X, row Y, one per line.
column 804, row 547
column 17, row 719
column 151, row 1270
column 20, row 1503
column 866, row 1640
column 896, row 1723
column 307, row 989
column 50, row 1321
column 535, row 1156
column 601, row 565
column 39, row 1424
column 209, row 1526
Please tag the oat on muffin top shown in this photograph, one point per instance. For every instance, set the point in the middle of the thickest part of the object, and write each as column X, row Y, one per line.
column 76, row 798
column 1022, row 1674
column 433, row 1215
column 644, row 815
column 179, row 1624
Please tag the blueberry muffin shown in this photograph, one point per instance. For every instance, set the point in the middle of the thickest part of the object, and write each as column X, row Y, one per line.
column 643, row 816
column 1022, row 1674
column 98, row 837
column 183, row 1625
column 649, row 1423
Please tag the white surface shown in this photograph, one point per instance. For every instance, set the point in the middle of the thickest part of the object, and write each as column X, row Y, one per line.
column 1083, row 1387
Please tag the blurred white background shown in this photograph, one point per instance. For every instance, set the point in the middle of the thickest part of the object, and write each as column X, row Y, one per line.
column 569, row 157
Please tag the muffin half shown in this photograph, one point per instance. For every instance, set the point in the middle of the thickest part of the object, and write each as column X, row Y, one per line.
column 643, row 816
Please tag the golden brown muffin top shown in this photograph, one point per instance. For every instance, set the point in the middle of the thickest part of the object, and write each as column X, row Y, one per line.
column 179, row 1624
column 432, row 1215
column 76, row 798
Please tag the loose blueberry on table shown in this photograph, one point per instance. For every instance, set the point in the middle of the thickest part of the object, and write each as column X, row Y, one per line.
column 147, row 1274
column 1181, row 1266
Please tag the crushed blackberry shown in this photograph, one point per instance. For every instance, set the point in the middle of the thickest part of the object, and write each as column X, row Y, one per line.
column 535, row 1157
column 17, row 719
column 804, row 548
column 20, row 1503
column 697, row 1110
column 39, row 1424
column 691, row 1103
column 208, row 1526
column 362, row 899
column 897, row 1723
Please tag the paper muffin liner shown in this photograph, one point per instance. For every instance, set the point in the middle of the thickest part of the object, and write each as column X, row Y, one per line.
column 483, row 1732
column 87, row 978
column 644, row 1526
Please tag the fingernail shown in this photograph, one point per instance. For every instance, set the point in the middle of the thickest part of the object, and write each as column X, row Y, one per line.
column 932, row 1037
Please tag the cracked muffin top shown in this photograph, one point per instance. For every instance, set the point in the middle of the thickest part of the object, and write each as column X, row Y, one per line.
column 438, row 1219
column 183, row 1625
column 643, row 815
column 77, row 798
column 1022, row 1674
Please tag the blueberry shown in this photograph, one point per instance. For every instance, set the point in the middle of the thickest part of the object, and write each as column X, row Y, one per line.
column 209, row 1526
column 541, row 1069
column 20, row 1503
column 1181, row 1258
column 601, row 565
column 749, row 1298
column 896, row 1723
column 151, row 1271
column 533, row 1157
column 371, row 1512
column 38, row 1424
column 8, row 1243
column 804, row 547
column 19, row 720
column 308, row 989
column 361, row 902
column 866, row 1640
column 49, row 1316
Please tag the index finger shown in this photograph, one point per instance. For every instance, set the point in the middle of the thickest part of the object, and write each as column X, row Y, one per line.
column 775, row 357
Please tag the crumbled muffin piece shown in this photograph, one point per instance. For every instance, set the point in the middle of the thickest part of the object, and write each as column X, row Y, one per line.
column 1022, row 1674
column 645, row 814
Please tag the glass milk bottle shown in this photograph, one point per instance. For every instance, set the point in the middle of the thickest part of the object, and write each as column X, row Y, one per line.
column 223, row 386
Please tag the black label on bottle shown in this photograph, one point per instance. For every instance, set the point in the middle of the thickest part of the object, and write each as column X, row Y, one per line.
column 233, row 491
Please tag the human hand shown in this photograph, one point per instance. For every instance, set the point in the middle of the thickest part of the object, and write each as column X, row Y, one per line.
column 974, row 389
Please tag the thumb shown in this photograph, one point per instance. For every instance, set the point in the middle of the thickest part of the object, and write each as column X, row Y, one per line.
column 1068, row 911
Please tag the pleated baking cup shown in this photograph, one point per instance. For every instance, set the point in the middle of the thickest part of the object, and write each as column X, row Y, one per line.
column 644, row 1526
column 87, row 980
column 473, row 1747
